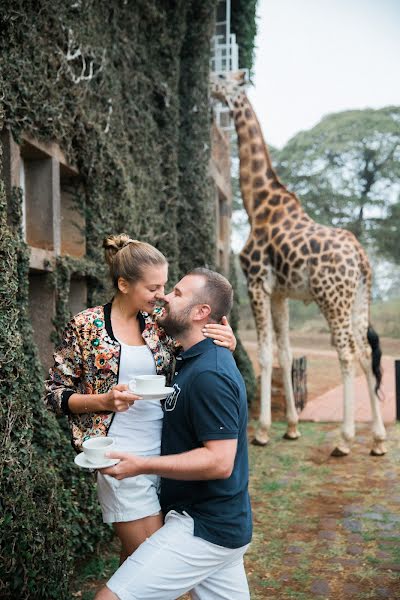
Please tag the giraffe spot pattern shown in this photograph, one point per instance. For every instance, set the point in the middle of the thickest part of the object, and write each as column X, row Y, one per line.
column 256, row 148
column 277, row 215
column 257, row 165
column 263, row 216
column 252, row 131
column 275, row 200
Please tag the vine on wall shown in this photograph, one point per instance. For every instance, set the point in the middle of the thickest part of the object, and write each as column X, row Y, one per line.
column 123, row 91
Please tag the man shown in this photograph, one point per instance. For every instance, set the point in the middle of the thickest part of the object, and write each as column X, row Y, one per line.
column 203, row 464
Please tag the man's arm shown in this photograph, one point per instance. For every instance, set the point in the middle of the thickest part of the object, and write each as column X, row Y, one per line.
column 214, row 461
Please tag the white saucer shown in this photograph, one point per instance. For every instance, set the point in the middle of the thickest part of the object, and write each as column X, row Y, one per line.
column 156, row 395
column 81, row 461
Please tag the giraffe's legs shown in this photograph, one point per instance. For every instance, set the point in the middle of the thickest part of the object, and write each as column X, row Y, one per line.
column 348, row 428
column 261, row 306
column 343, row 340
column 378, row 428
column 360, row 324
column 280, row 318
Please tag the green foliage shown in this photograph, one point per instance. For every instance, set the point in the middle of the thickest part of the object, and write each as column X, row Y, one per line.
column 195, row 218
column 244, row 25
column 138, row 131
column 242, row 359
column 44, row 498
column 387, row 233
column 385, row 317
column 346, row 172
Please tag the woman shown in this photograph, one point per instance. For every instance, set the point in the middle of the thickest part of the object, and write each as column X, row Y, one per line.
column 102, row 349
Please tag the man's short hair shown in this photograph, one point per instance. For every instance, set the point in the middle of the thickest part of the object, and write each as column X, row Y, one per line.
column 217, row 292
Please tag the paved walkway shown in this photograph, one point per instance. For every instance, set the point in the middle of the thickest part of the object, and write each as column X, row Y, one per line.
column 329, row 406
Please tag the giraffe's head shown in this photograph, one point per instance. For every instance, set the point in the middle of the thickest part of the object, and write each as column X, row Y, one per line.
column 226, row 87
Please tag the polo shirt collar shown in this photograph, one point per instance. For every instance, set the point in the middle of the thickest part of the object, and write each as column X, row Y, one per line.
column 197, row 349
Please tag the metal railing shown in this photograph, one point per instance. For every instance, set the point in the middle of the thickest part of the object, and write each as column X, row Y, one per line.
column 224, row 57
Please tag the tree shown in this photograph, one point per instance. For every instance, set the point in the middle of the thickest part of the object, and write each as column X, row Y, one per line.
column 346, row 171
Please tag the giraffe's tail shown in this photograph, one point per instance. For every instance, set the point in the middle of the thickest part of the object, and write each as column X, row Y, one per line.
column 373, row 340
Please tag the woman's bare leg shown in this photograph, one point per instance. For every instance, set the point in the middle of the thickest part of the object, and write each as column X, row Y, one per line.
column 134, row 533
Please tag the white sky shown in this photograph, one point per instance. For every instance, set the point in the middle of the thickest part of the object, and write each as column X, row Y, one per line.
column 314, row 57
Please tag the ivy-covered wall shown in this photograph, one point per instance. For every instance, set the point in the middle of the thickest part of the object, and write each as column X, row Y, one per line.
column 121, row 86
column 244, row 25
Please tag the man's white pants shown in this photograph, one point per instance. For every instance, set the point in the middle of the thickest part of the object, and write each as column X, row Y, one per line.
column 173, row 561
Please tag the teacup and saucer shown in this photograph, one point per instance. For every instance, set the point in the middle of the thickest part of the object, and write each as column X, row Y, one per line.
column 150, row 387
column 93, row 455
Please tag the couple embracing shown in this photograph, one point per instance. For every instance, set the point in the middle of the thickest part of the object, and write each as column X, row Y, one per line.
column 178, row 497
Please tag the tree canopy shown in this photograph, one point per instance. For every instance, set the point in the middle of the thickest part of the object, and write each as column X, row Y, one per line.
column 346, row 171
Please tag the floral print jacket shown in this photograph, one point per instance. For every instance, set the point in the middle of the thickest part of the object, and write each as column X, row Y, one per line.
column 87, row 362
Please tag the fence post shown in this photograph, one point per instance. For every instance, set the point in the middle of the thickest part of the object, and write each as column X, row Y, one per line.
column 299, row 382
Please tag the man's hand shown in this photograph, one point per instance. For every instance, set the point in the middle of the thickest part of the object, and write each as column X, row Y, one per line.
column 221, row 334
column 129, row 465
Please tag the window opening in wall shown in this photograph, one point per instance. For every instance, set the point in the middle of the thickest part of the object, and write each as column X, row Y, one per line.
column 22, row 186
column 77, row 295
column 36, row 180
column 41, row 310
column 72, row 216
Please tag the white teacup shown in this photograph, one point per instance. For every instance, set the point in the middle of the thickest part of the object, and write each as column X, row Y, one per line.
column 147, row 384
column 96, row 447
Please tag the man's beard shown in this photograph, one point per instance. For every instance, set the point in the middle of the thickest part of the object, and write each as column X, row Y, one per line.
column 176, row 325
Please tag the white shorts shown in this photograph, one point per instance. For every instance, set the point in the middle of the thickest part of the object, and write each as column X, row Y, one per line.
column 128, row 499
column 173, row 561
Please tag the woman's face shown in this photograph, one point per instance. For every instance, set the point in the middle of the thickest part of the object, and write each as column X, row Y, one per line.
column 144, row 293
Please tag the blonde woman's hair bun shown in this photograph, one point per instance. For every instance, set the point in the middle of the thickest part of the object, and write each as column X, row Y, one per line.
column 114, row 243
column 130, row 263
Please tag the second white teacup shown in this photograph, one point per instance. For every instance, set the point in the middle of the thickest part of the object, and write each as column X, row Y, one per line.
column 96, row 447
column 147, row 384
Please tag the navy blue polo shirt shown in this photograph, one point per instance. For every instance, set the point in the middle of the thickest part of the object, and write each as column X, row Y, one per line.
column 209, row 403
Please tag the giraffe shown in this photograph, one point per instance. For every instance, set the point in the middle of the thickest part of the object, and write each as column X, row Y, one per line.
column 288, row 255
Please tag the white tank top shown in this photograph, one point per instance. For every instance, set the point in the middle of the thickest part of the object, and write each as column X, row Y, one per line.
column 137, row 430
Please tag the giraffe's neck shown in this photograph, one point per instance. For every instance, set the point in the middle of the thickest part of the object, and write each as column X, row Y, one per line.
column 259, row 182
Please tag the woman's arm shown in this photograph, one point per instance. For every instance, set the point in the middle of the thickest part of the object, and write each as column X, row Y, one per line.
column 62, row 396
column 65, row 374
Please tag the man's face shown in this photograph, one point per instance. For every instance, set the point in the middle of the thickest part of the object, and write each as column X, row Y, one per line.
column 181, row 306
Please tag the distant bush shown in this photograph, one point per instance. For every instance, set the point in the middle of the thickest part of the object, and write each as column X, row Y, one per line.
column 385, row 317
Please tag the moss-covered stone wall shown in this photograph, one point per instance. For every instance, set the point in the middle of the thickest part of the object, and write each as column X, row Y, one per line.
column 122, row 88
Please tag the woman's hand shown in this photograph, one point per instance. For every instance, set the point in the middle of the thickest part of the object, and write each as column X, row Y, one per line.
column 119, row 399
column 221, row 334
